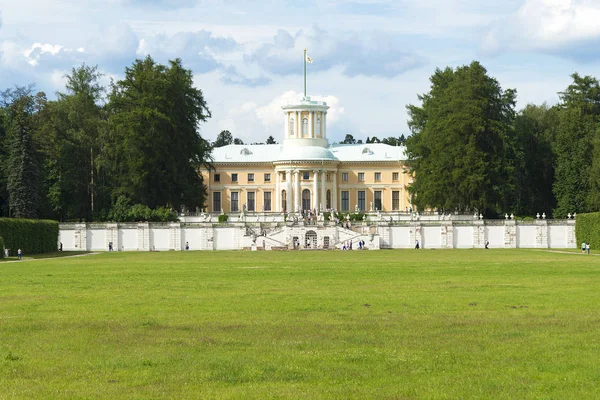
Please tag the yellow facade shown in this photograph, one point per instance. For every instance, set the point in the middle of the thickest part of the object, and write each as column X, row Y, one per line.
column 360, row 186
column 305, row 172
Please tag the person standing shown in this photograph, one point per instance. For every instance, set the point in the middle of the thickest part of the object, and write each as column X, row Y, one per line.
column 583, row 247
column 20, row 254
column 417, row 244
column 587, row 248
column 187, row 246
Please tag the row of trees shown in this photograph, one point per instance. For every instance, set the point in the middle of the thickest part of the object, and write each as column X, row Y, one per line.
column 470, row 150
column 136, row 142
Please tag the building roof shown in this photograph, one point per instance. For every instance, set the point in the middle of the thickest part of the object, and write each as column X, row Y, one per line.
column 249, row 153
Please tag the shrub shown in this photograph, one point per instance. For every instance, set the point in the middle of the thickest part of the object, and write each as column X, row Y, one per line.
column 1, row 247
column 223, row 218
column 587, row 229
column 124, row 211
column 30, row 235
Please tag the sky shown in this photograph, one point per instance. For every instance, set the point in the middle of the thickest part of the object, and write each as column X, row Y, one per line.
column 371, row 57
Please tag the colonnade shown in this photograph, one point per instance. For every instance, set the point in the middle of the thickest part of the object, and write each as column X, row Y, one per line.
column 293, row 189
column 316, row 128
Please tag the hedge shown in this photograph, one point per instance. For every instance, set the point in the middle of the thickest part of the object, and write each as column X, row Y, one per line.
column 1, row 247
column 30, row 235
column 587, row 229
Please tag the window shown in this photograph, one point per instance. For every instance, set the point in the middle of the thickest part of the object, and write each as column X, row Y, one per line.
column 395, row 176
column 216, row 201
column 250, row 196
column 396, row 199
column 267, row 201
column 234, row 178
column 305, row 175
column 306, row 199
column 292, row 126
column 377, row 200
column 318, row 127
column 328, row 199
column 377, row 176
column 345, row 200
column 361, row 200
column 328, row 176
column 267, row 177
column 250, row 177
column 284, row 201
column 361, row 176
column 305, row 126
column 283, row 176
column 235, row 201
column 344, row 177
column 217, row 177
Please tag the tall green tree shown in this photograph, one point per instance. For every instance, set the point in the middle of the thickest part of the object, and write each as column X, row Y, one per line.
column 535, row 130
column 461, row 143
column 224, row 138
column 22, row 167
column 349, row 139
column 153, row 148
column 577, row 173
column 4, row 205
column 76, row 186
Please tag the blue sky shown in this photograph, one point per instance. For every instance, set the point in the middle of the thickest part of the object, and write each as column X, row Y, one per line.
column 371, row 57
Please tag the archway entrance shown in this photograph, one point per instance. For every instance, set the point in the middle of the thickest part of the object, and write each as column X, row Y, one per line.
column 310, row 240
column 306, row 199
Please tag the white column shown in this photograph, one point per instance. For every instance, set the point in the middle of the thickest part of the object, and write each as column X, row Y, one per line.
column 334, row 191
column 287, row 125
column 297, row 194
column 324, row 126
column 311, row 131
column 277, row 193
column 288, row 192
column 323, row 192
column 315, row 189
column 298, row 124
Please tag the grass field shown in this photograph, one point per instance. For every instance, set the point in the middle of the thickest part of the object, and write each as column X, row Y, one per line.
column 456, row 324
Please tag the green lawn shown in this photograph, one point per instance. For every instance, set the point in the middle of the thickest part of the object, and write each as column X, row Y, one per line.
column 456, row 324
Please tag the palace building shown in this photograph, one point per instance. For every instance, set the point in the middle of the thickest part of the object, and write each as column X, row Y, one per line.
column 306, row 172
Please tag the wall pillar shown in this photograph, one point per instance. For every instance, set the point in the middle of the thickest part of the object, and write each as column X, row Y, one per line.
column 315, row 190
column 571, row 239
column 277, row 193
column 297, row 194
column 323, row 191
column 478, row 234
column 311, row 131
column 447, row 232
column 288, row 191
column 143, row 236
column 334, row 192
column 541, row 234
column 510, row 234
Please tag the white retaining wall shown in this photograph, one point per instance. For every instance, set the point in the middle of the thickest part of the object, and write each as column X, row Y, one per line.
column 245, row 235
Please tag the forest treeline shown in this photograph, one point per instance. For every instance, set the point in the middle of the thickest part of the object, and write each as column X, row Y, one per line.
column 133, row 150
column 130, row 151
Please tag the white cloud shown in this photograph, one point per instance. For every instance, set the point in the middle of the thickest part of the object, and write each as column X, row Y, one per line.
column 559, row 26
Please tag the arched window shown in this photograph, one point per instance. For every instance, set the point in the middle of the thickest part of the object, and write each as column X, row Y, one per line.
column 306, row 199
column 305, row 126
column 318, row 127
column 291, row 126
column 284, row 201
column 328, row 202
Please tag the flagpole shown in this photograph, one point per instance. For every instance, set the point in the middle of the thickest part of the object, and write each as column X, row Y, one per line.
column 305, row 73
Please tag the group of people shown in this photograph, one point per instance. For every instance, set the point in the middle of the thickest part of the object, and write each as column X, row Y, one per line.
column 585, row 247
column 19, row 253
column 348, row 245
